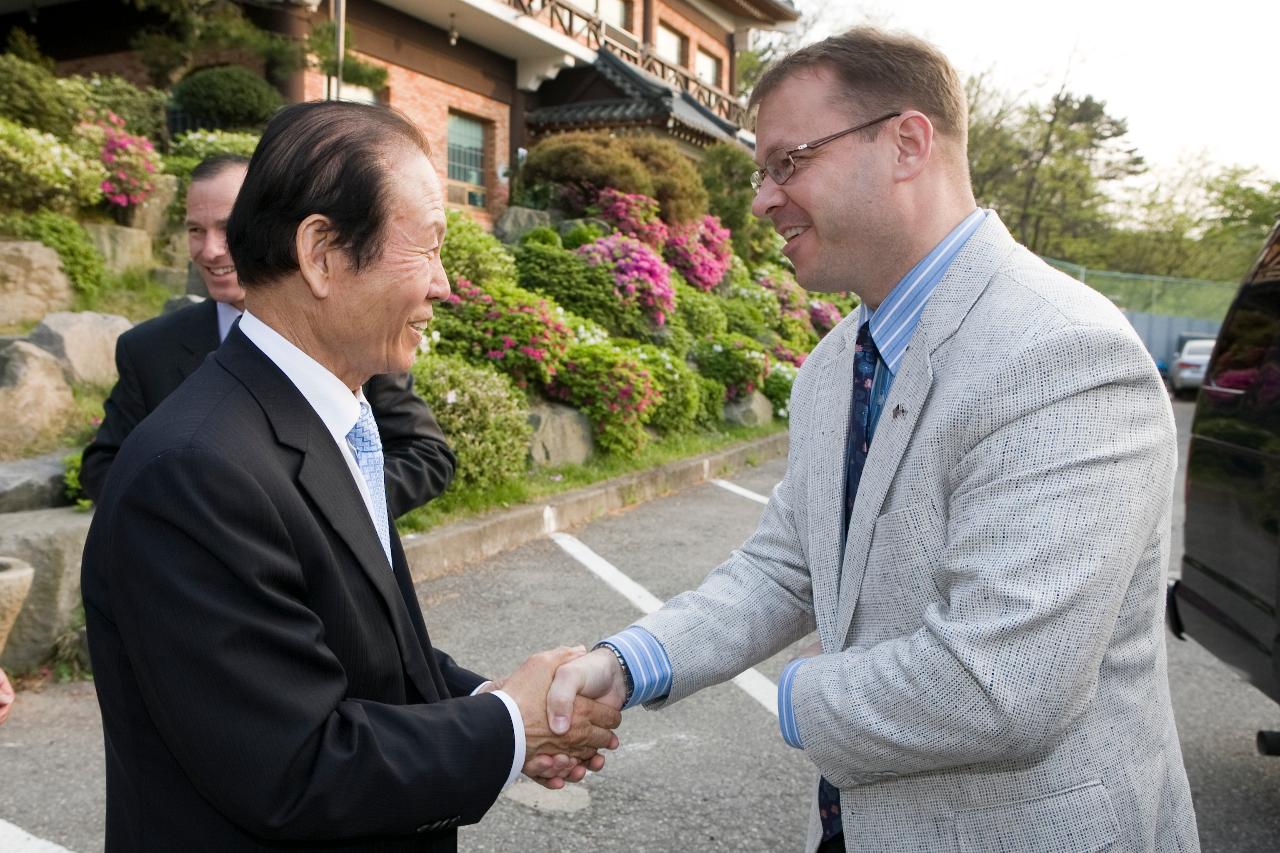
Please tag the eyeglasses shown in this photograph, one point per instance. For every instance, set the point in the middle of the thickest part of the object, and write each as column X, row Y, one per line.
column 780, row 167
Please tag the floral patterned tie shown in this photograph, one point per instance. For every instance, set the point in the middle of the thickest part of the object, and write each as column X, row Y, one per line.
column 865, row 359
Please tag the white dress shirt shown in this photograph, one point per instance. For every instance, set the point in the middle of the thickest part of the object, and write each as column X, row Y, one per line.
column 227, row 315
column 339, row 409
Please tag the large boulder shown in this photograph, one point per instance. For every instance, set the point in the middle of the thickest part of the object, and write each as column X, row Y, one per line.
column 51, row 542
column 755, row 410
column 121, row 248
column 515, row 222
column 153, row 214
column 34, row 397
column 85, row 343
column 32, row 282
column 15, row 584
column 561, row 435
column 33, row 483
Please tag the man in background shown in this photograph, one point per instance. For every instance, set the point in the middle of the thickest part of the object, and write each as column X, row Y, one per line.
column 155, row 357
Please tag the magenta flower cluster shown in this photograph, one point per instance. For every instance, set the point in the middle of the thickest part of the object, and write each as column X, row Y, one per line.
column 783, row 353
column 640, row 278
column 633, row 214
column 824, row 316
column 520, row 334
column 700, row 251
column 130, row 163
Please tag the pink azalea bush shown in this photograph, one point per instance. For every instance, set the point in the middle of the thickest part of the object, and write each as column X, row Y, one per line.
column 642, row 281
column 633, row 214
column 130, row 160
column 700, row 251
column 517, row 332
column 824, row 316
column 614, row 388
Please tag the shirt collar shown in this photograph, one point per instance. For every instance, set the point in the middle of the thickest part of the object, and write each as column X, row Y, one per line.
column 227, row 315
column 337, row 407
column 895, row 320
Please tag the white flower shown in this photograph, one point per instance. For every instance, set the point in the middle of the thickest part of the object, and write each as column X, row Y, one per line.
column 717, row 348
column 451, row 397
column 435, row 336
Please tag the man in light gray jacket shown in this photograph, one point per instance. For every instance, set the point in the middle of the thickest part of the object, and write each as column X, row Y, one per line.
column 975, row 514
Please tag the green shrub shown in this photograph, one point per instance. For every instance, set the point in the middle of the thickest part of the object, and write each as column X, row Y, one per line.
column 482, row 414
column 322, row 44
column 565, row 277
column 701, row 313
column 797, row 333
column 672, row 336
column 777, row 387
column 31, row 95
column 80, row 260
column 679, row 391
column 516, row 331
column 472, row 253
column 737, row 361
column 231, row 96
column 611, row 386
column 744, row 317
column 582, row 234
column 198, row 144
column 570, row 169
column 676, row 185
column 726, row 174
column 141, row 107
column 711, row 395
column 71, row 481
column 37, row 172
column 543, row 236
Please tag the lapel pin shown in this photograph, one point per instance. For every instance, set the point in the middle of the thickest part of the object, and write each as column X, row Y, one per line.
column 898, row 410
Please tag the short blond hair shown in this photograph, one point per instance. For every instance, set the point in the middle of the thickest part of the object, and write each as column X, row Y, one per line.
column 883, row 72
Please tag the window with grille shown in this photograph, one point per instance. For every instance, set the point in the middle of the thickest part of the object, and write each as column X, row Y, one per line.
column 466, row 161
column 671, row 46
column 708, row 69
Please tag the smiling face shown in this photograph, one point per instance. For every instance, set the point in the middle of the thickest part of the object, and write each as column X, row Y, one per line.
column 209, row 204
column 378, row 315
column 834, row 212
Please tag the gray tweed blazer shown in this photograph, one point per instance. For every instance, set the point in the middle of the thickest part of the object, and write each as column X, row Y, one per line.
column 993, row 675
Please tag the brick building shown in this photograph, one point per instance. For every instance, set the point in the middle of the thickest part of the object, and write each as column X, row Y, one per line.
column 484, row 78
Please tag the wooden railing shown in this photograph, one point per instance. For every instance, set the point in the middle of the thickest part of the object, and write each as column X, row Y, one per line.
column 591, row 30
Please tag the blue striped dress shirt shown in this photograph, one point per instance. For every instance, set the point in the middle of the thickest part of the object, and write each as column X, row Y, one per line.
column 892, row 325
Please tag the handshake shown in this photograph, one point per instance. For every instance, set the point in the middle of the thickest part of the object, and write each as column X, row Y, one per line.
column 570, row 701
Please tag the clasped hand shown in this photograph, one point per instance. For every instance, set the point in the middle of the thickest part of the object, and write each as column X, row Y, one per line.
column 561, row 753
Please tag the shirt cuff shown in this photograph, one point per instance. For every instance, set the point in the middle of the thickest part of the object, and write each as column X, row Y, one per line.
column 787, row 711
column 517, row 728
column 647, row 662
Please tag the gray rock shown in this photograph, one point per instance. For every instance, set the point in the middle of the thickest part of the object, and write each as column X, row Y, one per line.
column 51, row 541
column 33, row 483
column 561, row 435
column 32, row 282
column 177, row 303
column 515, row 222
column 85, row 343
column 15, row 585
column 121, row 248
column 152, row 215
column 34, row 397
column 195, row 284
column 755, row 410
column 172, row 279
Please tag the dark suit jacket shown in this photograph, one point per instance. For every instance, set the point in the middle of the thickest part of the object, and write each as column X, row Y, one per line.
column 264, row 678
column 155, row 357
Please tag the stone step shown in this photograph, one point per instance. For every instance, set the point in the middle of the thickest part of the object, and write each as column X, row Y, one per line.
column 35, row 483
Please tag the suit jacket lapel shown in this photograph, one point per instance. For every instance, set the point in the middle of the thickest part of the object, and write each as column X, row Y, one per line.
column 326, row 479
column 955, row 295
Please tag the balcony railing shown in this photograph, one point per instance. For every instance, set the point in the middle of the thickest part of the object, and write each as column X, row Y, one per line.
column 597, row 34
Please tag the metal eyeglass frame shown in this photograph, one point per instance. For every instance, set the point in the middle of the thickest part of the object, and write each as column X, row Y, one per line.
column 780, row 167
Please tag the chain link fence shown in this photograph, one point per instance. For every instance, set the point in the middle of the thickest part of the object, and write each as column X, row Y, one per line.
column 1155, row 294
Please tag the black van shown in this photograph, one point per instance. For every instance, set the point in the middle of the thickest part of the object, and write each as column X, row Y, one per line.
column 1229, row 596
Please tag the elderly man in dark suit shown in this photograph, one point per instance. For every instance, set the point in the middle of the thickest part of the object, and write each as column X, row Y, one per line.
column 154, row 358
column 264, row 671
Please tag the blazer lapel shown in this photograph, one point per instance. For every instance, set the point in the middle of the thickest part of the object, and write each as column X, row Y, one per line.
column 326, row 479
column 832, row 396
column 955, row 295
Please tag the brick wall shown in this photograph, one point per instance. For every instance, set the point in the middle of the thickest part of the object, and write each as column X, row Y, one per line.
column 702, row 34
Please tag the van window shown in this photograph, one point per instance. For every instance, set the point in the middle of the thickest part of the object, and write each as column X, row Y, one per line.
column 1240, row 401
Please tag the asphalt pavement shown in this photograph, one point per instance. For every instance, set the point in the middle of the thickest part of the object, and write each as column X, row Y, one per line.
column 710, row 773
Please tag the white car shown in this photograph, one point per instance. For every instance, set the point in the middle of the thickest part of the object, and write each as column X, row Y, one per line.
column 1187, row 373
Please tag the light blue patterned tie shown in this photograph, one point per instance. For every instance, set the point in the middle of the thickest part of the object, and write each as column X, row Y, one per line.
column 364, row 440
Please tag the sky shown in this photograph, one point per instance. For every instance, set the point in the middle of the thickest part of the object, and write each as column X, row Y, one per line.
column 1197, row 82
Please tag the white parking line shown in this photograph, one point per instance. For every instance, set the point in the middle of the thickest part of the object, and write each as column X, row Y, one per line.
column 16, row 840
column 757, row 686
column 741, row 492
